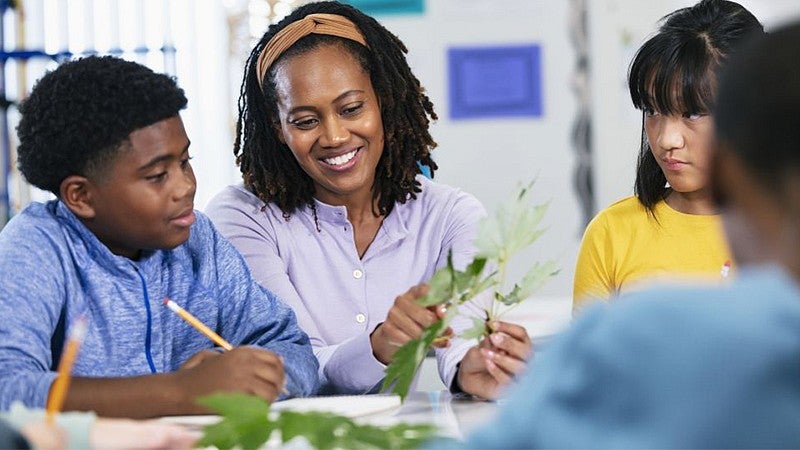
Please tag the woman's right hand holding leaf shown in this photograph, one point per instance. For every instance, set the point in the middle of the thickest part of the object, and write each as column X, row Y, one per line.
column 406, row 321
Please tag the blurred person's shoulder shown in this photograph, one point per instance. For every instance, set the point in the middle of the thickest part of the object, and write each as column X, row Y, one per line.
column 759, row 303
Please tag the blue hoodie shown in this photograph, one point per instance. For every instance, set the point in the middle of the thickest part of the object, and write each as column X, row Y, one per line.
column 54, row 269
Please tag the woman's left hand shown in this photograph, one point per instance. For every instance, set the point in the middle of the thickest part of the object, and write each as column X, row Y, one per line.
column 488, row 367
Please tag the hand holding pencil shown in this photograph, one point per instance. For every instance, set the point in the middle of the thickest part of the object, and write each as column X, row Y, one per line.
column 221, row 342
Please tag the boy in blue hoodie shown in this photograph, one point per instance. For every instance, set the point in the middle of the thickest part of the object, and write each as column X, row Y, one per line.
column 105, row 136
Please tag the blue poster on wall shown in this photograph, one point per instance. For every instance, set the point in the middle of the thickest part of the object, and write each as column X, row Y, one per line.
column 488, row 82
column 385, row 7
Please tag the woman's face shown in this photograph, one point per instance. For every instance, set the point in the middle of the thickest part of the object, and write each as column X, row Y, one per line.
column 681, row 145
column 331, row 120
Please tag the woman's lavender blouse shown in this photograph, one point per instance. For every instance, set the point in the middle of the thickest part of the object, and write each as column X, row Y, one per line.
column 339, row 298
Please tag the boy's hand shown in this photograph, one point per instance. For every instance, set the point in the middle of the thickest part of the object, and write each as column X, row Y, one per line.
column 491, row 365
column 199, row 357
column 248, row 370
column 405, row 321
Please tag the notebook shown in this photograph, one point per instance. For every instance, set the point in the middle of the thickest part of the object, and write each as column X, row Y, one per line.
column 351, row 406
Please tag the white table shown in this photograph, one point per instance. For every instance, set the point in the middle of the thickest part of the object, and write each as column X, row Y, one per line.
column 454, row 416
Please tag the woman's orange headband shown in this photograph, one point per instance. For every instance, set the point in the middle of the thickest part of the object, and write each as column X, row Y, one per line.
column 331, row 24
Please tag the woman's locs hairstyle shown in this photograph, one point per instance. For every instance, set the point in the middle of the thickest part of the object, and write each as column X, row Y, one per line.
column 675, row 72
column 268, row 166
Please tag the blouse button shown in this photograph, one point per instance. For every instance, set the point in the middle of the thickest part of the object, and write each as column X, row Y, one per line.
column 358, row 274
column 360, row 318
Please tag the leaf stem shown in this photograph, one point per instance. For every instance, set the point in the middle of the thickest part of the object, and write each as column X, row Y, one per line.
column 502, row 261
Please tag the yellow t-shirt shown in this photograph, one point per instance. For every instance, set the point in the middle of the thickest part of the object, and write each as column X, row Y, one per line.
column 625, row 247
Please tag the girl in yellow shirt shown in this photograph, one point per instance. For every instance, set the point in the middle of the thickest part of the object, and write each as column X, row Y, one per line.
column 670, row 228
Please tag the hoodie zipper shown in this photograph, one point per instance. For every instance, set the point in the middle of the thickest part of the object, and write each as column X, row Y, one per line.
column 147, row 338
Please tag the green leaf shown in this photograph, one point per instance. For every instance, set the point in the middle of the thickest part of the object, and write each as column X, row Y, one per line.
column 330, row 431
column 244, row 421
column 511, row 298
column 448, row 285
column 531, row 282
column 523, row 231
column 482, row 285
column 400, row 372
column 223, row 435
column 440, row 286
column 477, row 331
column 246, row 424
column 536, row 277
column 468, row 278
column 327, row 428
column 512, row 228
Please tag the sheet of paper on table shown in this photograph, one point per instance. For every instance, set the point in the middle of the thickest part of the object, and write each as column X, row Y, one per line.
column 352, row 406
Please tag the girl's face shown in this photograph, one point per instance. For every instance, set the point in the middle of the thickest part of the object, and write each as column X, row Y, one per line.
column 681, row 144
column 331, row 120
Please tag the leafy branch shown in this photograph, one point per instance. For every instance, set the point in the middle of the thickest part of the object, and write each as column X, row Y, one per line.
column 514, row 227
column 248, row 423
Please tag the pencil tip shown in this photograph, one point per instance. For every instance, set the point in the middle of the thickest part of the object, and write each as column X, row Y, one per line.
column 166, row 300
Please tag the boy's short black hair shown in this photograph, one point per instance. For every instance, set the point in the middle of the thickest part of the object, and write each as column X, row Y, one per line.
column 79, row 115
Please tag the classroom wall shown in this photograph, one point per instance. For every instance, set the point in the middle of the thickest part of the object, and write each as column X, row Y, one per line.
column 492, row 157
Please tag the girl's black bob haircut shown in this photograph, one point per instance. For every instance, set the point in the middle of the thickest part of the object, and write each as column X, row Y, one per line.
column 675, row 73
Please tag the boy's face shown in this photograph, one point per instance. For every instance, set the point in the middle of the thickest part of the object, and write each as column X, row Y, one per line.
column 146, row 200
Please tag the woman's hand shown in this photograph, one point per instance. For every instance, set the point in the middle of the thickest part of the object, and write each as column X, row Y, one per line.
column 491, row 365
column 406, row 321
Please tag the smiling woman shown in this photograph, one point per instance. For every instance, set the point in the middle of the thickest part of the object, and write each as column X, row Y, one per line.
column 330, row 118
column 333, row 214
column 671, row 227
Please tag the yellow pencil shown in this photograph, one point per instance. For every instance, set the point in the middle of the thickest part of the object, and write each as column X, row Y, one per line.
column 58, row 392
column 199, row 326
